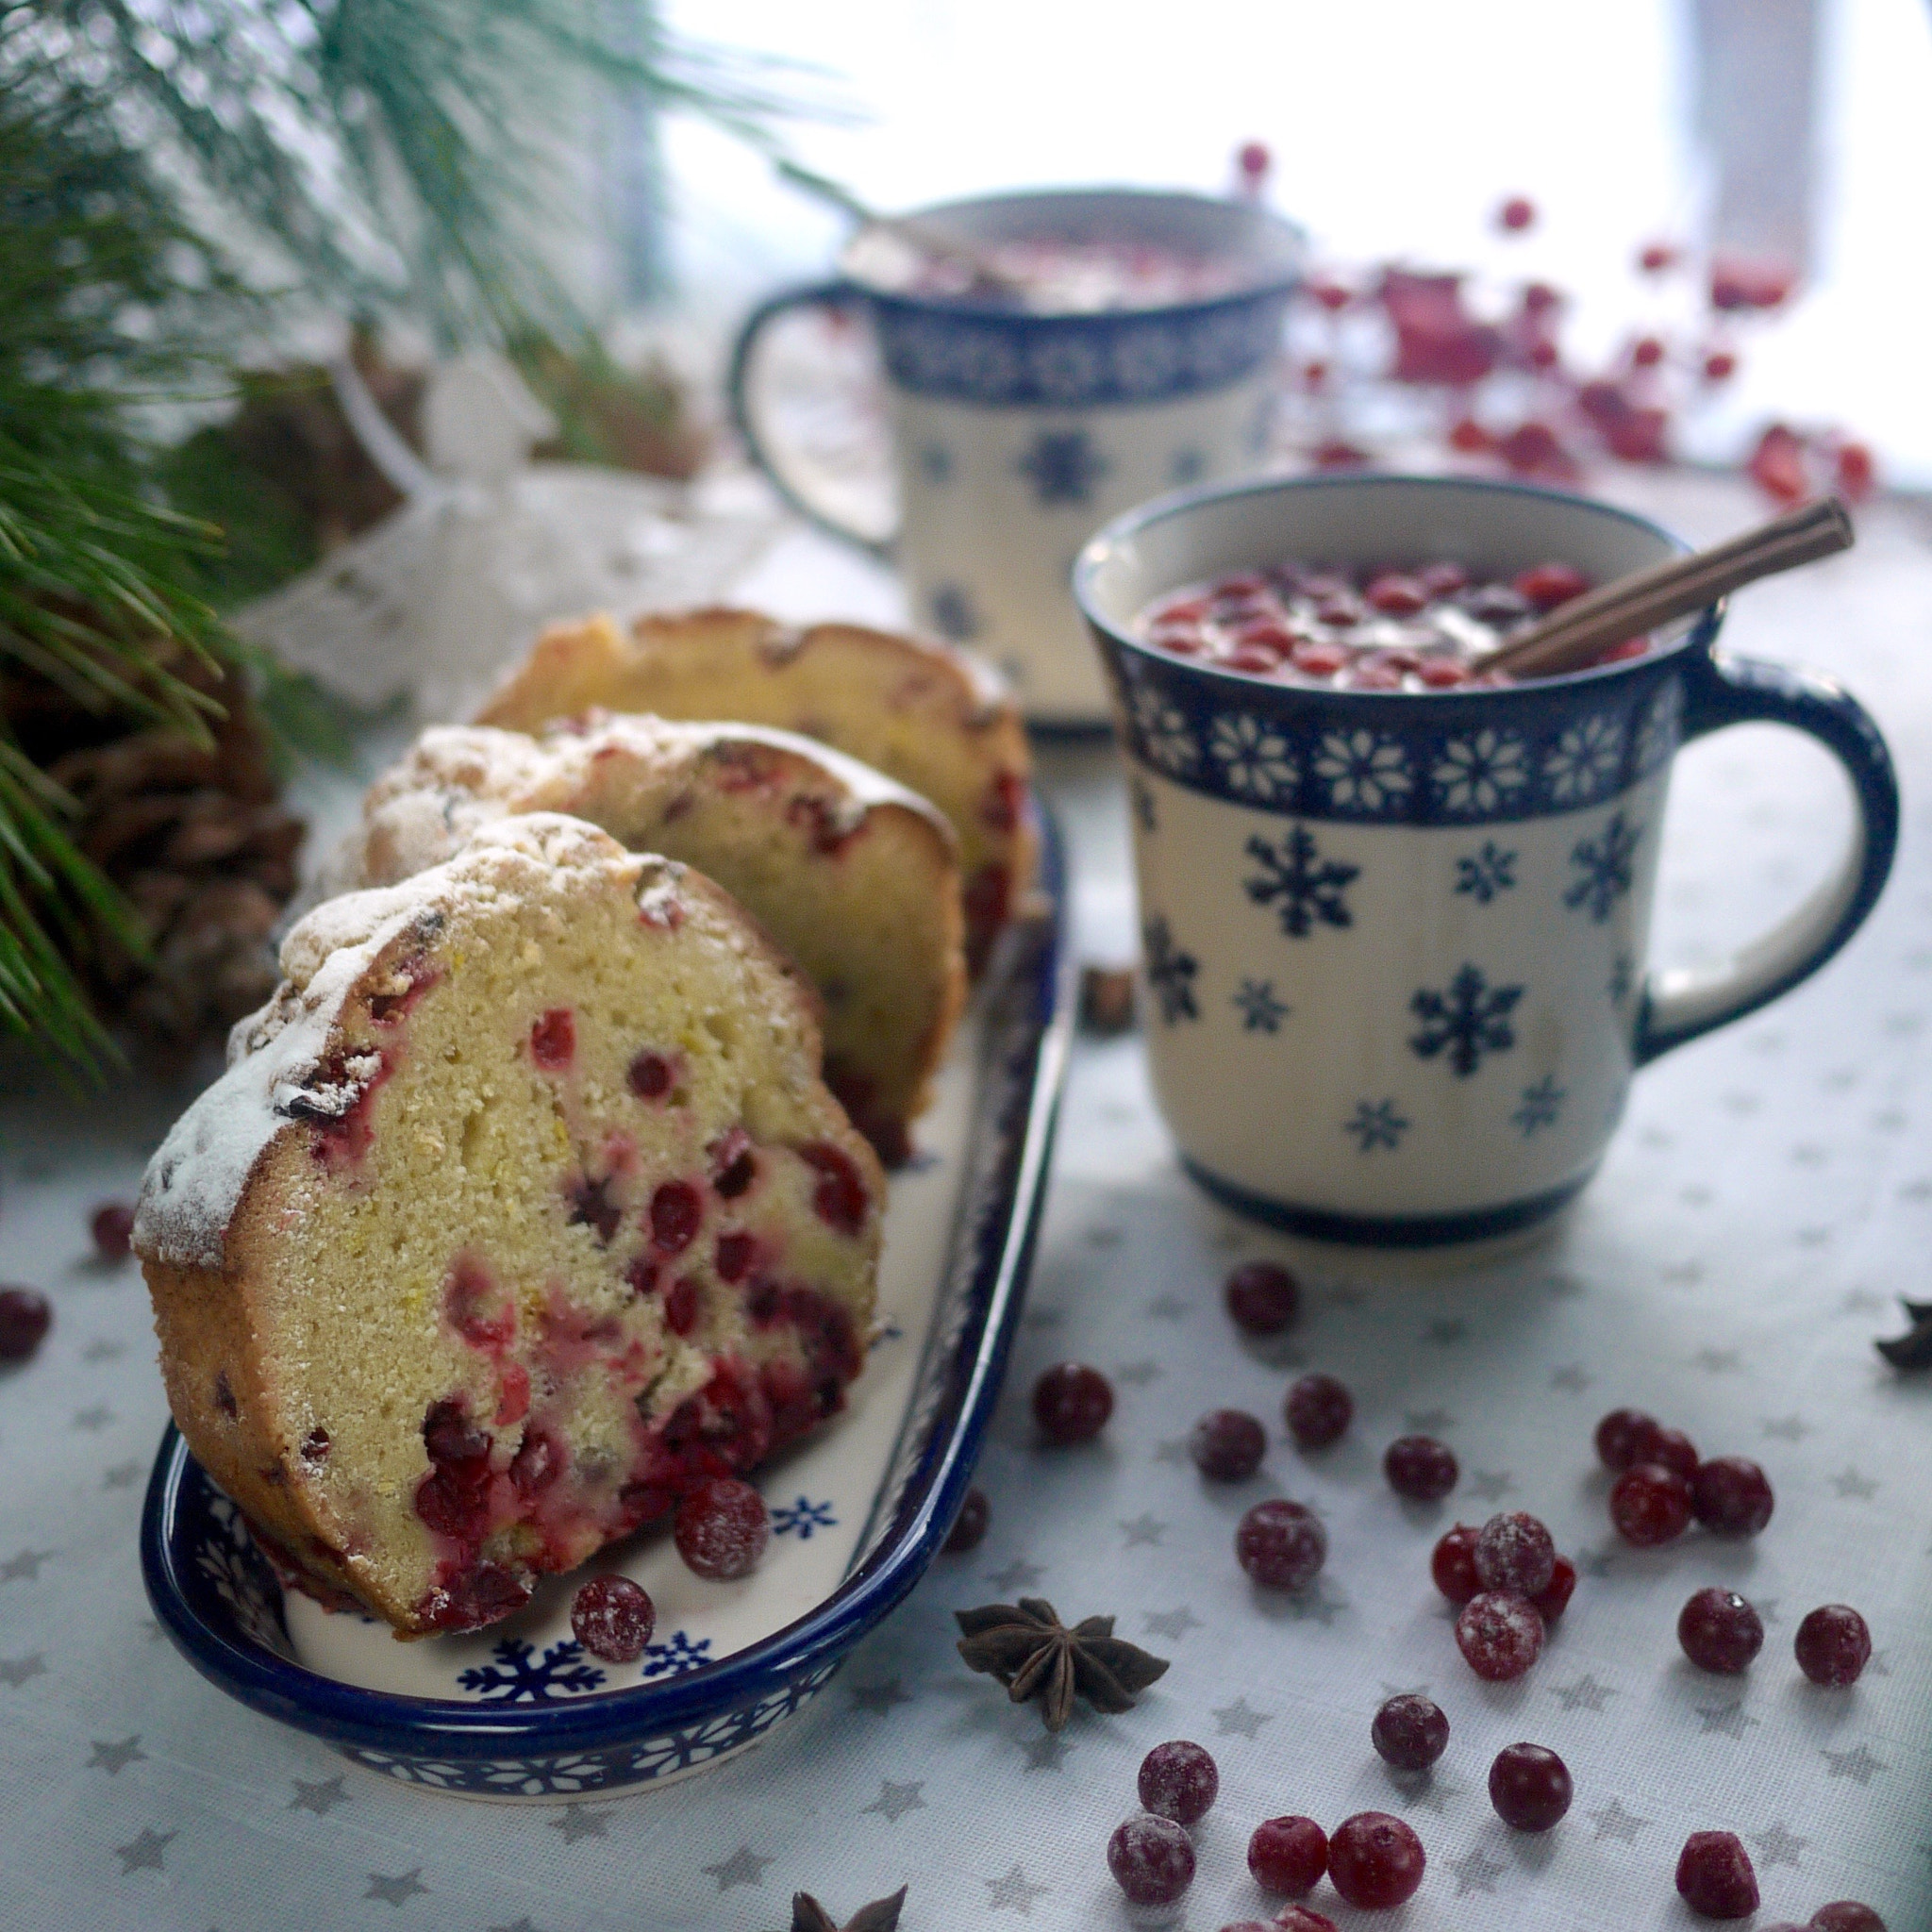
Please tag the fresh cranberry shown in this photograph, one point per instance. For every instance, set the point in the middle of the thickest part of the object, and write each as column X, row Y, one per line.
column 1300, row 1918
column 969, row 1527
column 1529, row 1787
column 650, row 1075
column 677, row 1210
column 1152, row 1860
column 682, row 1305
column 613, row 1618
column 1553, row 1599
column 840, row 1200
column 1262, row 1296
column 1516, row 214
column 1288, row 1856
column 721, row 1529
column 1650, row 1505
column 1624, row 1437
column 1410, row 1732
column 1674, row 1450
column 1178, row 1780
column 1500, row 1636
column 1731, row 1496
column 1281, row 1544
column 554, row 1040
column 112, row 1227
column 1318, row 1410
column 1846, row 1915
column 1375, row 1860
column 1420, row 1468
column 1227, row 1445
column 1453, row 1564
column 1547, row 585
column 1714, row 1876
column 1834, row 1645
column 26, row 1315
column 1514, row 1552
column 1071, row 1403
column 1719, row 1631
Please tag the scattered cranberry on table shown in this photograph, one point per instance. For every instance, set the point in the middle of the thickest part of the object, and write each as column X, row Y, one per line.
column 1178, row 1780
column 1227, row 1445
column 1553, row 1599
column 613, row 1619
column 1731, row 1496
column 1452, row 1563
column 26, row 1315
column 1071, row 1403
column 1318, row 1411
column 969, row 1527
column 721, row 1528
column 1420, row 1468
column 1674, row 1450
column 1499, row 1636
column 1833, row 1645
column 1530, row 1786
column 1626, row 1437
column 1714, row 1876
column 1263, row 1297
column 1152, row 1859
column 1281, row 1543
column 1846, row 1915
column 1514, row 1552
column 112, row 1227
column 1299, row 1918
column 1288, row 1856
column 1410, row 1732
column 1375, row 1860
column 1650, row 1505
column 1720, row 1632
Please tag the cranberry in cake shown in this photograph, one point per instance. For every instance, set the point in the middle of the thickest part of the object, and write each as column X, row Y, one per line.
column 450, row 1294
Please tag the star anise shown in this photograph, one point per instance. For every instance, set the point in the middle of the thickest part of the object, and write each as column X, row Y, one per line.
column 882, row 1915
column 1913, row 1349
column 1034, row 1654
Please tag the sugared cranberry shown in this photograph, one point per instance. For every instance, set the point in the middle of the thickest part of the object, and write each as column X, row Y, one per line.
column 1152, row 1860
column 1675, row 1451
column 969, row 1527
column 1375, row 1860
column 26, row 1315
column 1514, row 1552
column 112, row 1227
column 1262, row 1296
column 723, row 1527
column 1553, row 1599
column 554, row 1038
column 1178, row 1780
column 1623, row 1438
column 650, row 1075
column 1453, row 1564
column 1288, row 1856
column 1300, row 1918
column 1318, row 1410
column 677, row 1211
column 1714, row 1876
column 1227, row 1445
column 1547, row 585
column 1731, row 1496
column 1410, row 1732
column 1650, row 1505
column 1500, row 1636
column 1833, row 1645
column 1420, row 1468
column 1846, row 1915
column 613, row 1618
column 1281, row 1544
column 1529, row 1787
column 1071, row 1403
column 1719, row 1631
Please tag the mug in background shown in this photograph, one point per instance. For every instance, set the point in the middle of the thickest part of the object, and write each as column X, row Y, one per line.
column 1017, row 434
column 1395, row 941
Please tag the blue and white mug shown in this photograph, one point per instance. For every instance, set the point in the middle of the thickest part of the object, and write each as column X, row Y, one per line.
column 1396, row 942
column 1016, row 434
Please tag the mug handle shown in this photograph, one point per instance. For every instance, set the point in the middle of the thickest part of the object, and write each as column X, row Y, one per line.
column 762, row 450
column 1680, row 1002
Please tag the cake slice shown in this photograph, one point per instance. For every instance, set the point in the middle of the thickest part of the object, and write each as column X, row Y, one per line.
column 852, row 875
column 926, row 714
column 520, row 1211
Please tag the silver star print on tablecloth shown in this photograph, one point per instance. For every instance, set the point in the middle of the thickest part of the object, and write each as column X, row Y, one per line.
column 743, row 1867
column 147, row 1853
column 894, row 1801
column 112, row 1757
column 398, row 1890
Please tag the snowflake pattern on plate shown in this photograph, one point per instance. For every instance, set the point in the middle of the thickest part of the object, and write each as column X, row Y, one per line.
column 1606, row 867
column 1482, row 773
column 1484, row 873
column 1468, row 1019
column 1170, row 972
column 676, row 1653
column 1584, row 760
column 1375, row 1124
column 1164, row 734
column 801, row 1518
column 1540, row 1107
column 1312, row 889
column 1662, row 728
column 518, row 1675
column 1260, row 1012
column 1253, row 756
column 239, row 1577
column 1363, row 771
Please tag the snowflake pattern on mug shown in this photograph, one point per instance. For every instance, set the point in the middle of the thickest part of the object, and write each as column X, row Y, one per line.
column 1480, row 774
column 1362, row 770
column 1662, row 728
column 1606, row 864
column 1539, row 1107
column 1254, row 757
column 1170, row 972
column 1065, row 468
column 1260, row 1012
column 1164, row 734
column 1312, row 890
column 1584, row 760
column 1482, row 874
column 1467, row 1019
column 1375, row 1124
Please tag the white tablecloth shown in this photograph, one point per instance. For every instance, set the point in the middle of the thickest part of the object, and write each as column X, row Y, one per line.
column 1768, row 1197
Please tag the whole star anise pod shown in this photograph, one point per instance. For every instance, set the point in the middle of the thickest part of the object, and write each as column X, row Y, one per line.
column 1034, row 1654
column 882, row 1915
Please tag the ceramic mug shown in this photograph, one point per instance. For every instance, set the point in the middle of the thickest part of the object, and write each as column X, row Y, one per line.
column 1017, row 434
column 1396, row 942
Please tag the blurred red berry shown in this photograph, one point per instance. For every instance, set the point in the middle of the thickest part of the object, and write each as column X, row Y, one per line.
column 1858, row 476
column 1254, row 161
column 1516, row 214
column 1469, row 436
column 1719, row 366
column 1646, row 352
column 1655, row 256
column 1331, row 295
column 1777, row 465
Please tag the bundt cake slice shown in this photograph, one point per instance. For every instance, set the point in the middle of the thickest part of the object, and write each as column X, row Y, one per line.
column 520, row 1211
column 928, row 715
column 853, row 875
